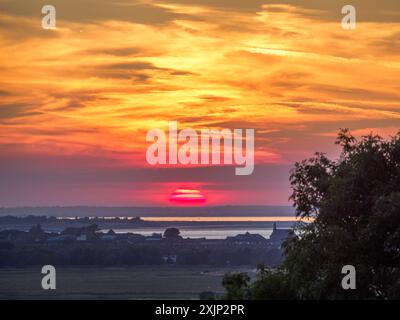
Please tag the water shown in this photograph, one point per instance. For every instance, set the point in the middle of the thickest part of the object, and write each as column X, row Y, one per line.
column 198, row 232
column 190, row 227
column 223, row 219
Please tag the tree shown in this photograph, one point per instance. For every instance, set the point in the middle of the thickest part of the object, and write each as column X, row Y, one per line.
column 172, row 233
column 36, row 230
column 355, row 204
column 236, row 285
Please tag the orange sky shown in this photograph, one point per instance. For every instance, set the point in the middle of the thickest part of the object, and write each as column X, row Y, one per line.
column 76, row 102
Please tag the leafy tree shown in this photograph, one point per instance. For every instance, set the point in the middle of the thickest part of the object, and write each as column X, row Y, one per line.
column 171, row 233
column 355, row 206
column 237, row 285
column 36, row 230
column 271, row 284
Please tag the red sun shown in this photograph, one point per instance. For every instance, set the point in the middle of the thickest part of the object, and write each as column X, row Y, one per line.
column 187, row 195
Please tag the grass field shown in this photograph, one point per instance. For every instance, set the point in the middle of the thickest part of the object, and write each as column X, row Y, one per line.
column 154, row 282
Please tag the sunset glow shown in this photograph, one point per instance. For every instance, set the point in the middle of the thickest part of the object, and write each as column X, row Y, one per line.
column 187, row 196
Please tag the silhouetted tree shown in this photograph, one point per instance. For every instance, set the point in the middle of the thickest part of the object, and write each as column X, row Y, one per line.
column 236, row 285
column 36, row 230
column 355, row 202
column 172, row 233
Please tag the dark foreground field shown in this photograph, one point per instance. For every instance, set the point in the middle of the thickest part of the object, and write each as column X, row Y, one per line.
column 164, row 282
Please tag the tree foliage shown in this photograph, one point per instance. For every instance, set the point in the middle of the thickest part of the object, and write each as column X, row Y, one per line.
column 354, row 204
column 172, row 233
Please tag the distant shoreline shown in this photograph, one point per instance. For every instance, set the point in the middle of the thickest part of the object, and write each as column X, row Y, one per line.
column 63, row 223
column 53, row 223
column 181, row 211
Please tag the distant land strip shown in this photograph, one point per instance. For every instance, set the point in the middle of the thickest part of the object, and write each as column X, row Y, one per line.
column 181, row 211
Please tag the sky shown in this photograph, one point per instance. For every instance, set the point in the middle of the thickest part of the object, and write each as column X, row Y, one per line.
column 76, row 102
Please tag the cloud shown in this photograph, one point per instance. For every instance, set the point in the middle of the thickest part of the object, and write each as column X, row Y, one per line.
column 139, row 71
column 389, row 44
column 368, row 10
column 91, row 11
column 11, row 111
column 23, row 28
column 119, row 51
